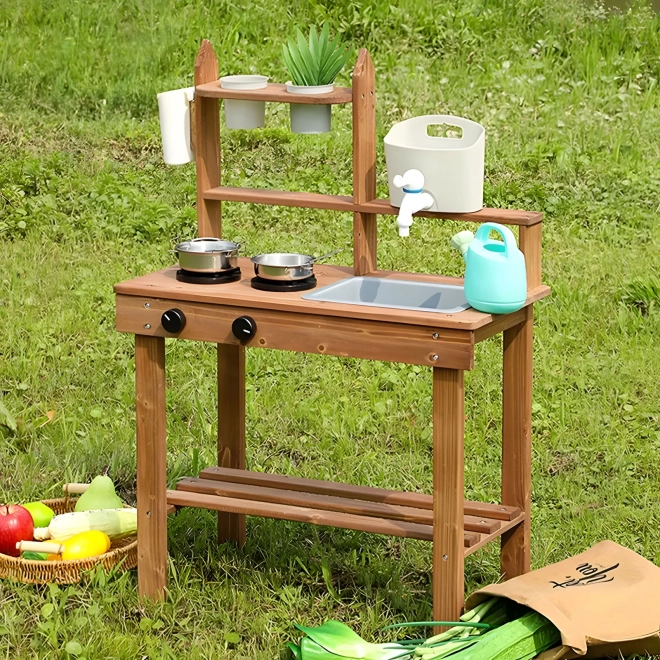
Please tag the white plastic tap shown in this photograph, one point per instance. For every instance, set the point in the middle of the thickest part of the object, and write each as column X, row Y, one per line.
column 414, row 200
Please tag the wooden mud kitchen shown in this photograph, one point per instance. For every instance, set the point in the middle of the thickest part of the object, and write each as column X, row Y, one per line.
column 285, row 320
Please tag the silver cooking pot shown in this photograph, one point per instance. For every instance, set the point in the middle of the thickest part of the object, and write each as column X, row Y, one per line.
column 286, row 266
column 207, row 255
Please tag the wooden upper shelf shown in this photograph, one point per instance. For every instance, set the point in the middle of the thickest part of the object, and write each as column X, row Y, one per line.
column 379, row 206
column 275, row 92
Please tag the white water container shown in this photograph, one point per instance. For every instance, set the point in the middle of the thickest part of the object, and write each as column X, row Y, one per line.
column 453, row 168
column 244, row 114
column 174, row 115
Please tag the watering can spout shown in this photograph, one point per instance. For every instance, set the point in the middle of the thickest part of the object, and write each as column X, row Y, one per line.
column 461, row 241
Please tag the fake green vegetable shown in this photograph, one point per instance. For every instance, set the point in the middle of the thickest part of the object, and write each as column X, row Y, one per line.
column 317, row 61
column 496, row 629
column 521, row 639
column 335, row 640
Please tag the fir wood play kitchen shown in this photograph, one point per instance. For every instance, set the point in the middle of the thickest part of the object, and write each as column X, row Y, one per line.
column 234, row 315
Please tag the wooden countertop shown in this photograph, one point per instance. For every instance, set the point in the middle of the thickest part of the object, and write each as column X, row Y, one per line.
column 163, row 285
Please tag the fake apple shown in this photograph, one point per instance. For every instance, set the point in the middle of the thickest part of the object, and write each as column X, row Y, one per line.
column 16, row 525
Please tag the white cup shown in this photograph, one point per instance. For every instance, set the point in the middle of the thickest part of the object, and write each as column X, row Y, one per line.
column 244, row 114
column 174, row 115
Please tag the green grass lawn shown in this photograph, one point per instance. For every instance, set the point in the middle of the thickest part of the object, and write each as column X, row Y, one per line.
column 568, row 94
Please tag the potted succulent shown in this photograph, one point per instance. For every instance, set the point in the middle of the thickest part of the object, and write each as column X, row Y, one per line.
column 313, row 65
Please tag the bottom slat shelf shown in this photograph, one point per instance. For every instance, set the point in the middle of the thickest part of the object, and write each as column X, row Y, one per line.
column 375, row 510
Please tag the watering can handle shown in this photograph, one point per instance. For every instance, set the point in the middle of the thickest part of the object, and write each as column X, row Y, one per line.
column 504, row 232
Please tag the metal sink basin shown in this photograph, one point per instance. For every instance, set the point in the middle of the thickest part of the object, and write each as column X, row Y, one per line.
column 396, row 294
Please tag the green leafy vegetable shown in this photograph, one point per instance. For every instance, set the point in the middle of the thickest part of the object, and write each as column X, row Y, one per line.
column 334, row 640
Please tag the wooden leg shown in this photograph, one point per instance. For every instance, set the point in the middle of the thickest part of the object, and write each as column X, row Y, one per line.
column 517, row 442
column 231, row 430
column 151, row 465
column 448, row 495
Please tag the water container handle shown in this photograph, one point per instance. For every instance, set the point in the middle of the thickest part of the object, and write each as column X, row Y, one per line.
column 504, row 232
column 448, row 120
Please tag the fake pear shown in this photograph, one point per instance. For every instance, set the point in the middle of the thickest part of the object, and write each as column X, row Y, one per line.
column 100, row 495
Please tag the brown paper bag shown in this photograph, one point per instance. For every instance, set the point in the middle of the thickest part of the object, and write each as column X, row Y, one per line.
column 605, row 602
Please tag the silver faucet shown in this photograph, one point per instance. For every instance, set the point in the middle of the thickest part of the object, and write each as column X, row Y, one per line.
column 414, row 200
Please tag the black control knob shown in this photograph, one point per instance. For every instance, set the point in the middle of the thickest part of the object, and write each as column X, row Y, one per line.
column 244, row 328
column 173, row 320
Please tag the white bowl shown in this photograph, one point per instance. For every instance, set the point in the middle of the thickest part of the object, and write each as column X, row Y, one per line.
column 244, row 82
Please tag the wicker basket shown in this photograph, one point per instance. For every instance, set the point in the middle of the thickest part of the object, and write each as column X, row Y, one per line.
column 122, row 555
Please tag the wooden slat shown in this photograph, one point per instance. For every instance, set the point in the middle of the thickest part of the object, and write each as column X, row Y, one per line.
column 364, row 493
column 506, row 527
column 281, row 198
column 308, row 515
column 273, row 92
column 344, row 337
column 207, row 145
column 365, row 225
column 231, row 429
column 503, row 216
column 448, row 459
column 328, row 503
column 151, row 466
column 367, row 207
column 530, row 246
column 517, row 442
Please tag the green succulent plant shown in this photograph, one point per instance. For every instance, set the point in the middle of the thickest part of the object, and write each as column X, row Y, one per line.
column 317, row 61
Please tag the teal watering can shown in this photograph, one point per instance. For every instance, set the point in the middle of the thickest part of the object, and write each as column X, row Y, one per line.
column 495, row 274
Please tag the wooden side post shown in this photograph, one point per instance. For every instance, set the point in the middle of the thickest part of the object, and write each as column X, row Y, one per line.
column 207, row 144
column 231, row 358
column 231, row 430
column 448, row 457
column 365, row 227
column 151, row 465
column 517, row 442
column 530, row 246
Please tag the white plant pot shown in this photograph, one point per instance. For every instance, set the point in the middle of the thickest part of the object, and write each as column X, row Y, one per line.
column 244, row 114
column 310, row 118
column 174, row 115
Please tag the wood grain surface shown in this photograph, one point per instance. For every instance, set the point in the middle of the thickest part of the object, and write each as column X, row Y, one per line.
column 448, row 458
column 517, row 442
column 308, row 333
column 370, row 206
column 231, row 429
column 530, row 246
column 151, row 466
column 365, row 493
column 503, row 216
column 273, row 92
column 314, row 516
column 163, row 284
column 365, row 225
column 328, row 503
column 207, row 146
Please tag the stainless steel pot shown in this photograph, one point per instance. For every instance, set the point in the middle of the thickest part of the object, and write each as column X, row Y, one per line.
column 207, row 255
column 286, row 266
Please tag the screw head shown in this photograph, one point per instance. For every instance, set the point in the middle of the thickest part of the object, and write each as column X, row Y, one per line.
column 445, row 557
column 436, row 335
column 434, row 357
column 147, row 326
column 147, row 305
